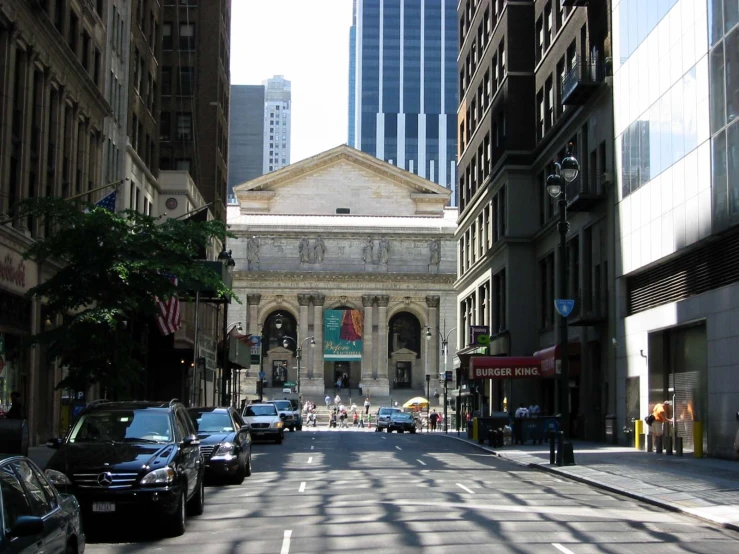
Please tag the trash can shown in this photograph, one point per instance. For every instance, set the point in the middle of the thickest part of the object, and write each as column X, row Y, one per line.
column 14, row 436
column 486, row 425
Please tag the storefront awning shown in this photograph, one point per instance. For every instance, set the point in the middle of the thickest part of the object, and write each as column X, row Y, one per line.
column 549, row 359
column 504, row 367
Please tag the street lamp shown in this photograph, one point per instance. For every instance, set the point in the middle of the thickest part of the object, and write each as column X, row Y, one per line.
column 564, row 173
column 298, row 351
column 445, row 352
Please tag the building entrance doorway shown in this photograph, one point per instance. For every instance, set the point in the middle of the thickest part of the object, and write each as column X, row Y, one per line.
column 340, row 370
column 403, row 371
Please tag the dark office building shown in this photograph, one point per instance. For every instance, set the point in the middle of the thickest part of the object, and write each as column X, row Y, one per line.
column 533, row 78
column 195, row 92
column 245, row 135
column 402, row 79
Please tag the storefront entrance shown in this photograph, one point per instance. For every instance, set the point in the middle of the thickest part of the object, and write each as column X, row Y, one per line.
column 403, row 371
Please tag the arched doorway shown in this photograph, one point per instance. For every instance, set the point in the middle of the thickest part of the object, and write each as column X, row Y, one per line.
column 277, row 368
column 404, row 349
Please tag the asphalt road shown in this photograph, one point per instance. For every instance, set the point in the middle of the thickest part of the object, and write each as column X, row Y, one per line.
column 356, row 491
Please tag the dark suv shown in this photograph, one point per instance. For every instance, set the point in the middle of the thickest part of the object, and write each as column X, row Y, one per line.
column 132, row 458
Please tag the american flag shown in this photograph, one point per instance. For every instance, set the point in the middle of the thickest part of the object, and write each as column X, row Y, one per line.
column 169, row 318
column 108, row 202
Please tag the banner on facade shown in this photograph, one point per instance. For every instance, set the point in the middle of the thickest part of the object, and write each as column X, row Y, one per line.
column 342, row 334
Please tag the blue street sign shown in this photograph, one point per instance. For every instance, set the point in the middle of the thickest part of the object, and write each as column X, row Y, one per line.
column 448, row 375
column 564, row 307
column 261, row 375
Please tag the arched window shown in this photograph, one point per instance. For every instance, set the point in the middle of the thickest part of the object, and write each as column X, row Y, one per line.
column 273, row 336
column 404, row 331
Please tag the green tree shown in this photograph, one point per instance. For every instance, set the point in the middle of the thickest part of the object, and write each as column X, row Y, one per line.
column 112, row 268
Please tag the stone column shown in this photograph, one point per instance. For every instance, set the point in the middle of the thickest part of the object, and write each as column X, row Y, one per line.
column 368, row 371
column 316, row 384
column 306, row 354
column 432, row 302
column 382, row 373
column 252, row 301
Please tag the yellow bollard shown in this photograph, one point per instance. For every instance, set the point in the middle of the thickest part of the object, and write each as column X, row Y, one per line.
column 474, row 429
column 697, row 439
column 638, row 430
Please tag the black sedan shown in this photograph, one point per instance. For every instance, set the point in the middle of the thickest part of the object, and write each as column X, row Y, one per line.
column 401, row 422
column 225, row 442
column 34, row 516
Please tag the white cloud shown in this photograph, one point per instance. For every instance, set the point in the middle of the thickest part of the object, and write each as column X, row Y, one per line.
column 307, row 41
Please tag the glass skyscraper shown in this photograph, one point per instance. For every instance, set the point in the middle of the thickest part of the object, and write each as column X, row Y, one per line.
column 402, row 84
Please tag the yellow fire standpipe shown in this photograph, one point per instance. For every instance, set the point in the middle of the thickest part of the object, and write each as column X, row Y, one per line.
column 638, row 431
column 697, row 439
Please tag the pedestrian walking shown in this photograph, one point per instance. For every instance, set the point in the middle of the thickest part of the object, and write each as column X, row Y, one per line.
column 328, row 400
column 366, row 405
column 16, row 408
column 433, row 418
column 337, row 400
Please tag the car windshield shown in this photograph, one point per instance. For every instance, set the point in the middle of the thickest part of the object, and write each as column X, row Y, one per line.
column 264, row 410
column 386, row 411
column 212, row 422
column 122, row 426
column 402, row 417
column 283, row 405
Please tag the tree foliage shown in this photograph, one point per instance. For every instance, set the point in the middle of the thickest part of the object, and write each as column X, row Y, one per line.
column 112, row 268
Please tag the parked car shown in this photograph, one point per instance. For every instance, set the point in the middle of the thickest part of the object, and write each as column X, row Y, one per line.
column 225, row 442
column 264, row 421
column 383, row 417
column 35, row 516
column 290, row 415
column 132, row 458
column 401, row 422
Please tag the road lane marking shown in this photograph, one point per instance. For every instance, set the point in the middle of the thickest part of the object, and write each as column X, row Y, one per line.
column 420, row 462
column 286, row 542
column 562, row 548
column 461, row 486
column 310, row 460
column 302, row 487
column 398, row 448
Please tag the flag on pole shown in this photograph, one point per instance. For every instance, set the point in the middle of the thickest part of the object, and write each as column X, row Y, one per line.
column 169, row 318
column 108, row 202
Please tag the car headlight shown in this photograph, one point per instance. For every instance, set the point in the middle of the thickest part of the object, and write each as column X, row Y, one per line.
column 224, row 448
column 162, row 476
column 57, row 478
column 278, row 424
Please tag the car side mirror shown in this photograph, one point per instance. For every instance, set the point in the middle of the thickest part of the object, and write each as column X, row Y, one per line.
column 26, row 526
column 56, row 442
column 192, row 440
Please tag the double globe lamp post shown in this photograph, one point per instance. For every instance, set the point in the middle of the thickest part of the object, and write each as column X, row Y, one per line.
column 445, row 352
column 298, row 351
column 564, row 173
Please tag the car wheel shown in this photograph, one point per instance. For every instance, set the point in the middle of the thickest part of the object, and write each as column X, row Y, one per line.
column 377, row 429
column 299, row 427
column 247, row 467
column 278, row 440
column 176, row 522
column 388, row 430
column 413, row 431
column 196, row 505
column 71, row 548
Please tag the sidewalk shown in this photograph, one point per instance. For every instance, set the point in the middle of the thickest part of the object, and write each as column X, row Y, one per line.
column 706, row 488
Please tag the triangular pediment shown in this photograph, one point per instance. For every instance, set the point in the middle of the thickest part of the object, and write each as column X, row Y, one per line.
column 404, row 352
column 342, row 180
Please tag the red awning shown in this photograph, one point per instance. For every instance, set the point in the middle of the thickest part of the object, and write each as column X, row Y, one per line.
column 504, row 367
column 549, row 357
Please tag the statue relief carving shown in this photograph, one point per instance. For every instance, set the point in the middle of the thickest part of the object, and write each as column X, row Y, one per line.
column 376, row 258
column 434, row 252
column 252, row 252
column 311, row 254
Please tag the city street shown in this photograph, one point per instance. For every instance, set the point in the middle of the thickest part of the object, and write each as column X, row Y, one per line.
column 359, row 491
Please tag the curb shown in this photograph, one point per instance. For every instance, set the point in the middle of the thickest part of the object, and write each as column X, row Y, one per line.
column 598, row 485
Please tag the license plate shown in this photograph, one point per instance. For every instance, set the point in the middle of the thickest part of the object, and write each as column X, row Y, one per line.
column 103, row 507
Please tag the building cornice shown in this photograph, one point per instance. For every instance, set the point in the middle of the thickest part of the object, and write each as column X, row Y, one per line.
column 320, row 281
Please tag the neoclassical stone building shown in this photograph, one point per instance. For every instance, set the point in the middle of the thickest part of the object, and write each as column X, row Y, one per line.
column 355, row 254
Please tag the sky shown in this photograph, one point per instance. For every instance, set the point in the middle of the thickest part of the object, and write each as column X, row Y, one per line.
column 307, row 41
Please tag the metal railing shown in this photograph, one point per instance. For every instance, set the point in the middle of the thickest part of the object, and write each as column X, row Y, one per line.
column 583, row 71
